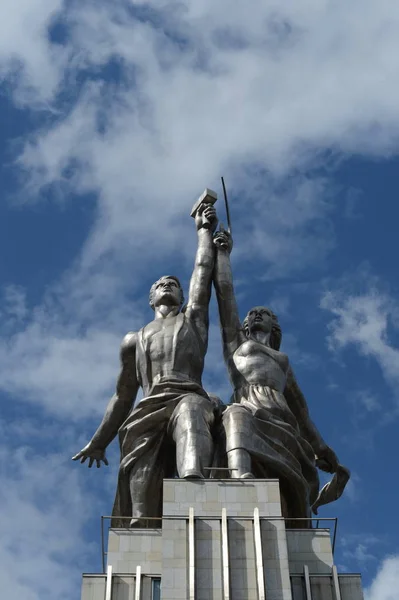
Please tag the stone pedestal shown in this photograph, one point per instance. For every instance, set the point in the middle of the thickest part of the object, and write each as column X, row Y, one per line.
column 221, row 540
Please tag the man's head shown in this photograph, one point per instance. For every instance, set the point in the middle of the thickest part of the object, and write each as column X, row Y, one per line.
column 167, row 290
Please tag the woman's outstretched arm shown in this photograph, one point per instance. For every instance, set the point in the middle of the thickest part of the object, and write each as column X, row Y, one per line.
column 326, row 457
column 232, row 332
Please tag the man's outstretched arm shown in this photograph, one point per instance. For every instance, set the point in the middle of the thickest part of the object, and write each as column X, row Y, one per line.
column 118, row 408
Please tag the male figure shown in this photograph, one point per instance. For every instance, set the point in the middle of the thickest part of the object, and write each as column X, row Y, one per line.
column 168, row 432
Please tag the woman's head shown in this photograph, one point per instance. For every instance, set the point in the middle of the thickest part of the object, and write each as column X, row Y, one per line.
column 263, row 319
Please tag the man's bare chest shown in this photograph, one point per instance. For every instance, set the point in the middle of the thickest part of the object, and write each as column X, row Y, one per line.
column 164, row 336
column 159, row 331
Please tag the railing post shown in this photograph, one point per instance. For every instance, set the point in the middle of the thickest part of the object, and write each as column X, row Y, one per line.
column 108, row 586
column 138, row 583
column 259, row 556
column 337, row 590
column 308, row 590
column 191, row 554
column 102, row 544
column 225, row 557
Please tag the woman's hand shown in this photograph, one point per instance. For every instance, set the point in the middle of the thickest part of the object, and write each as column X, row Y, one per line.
column 223, row 240
column 326, row 459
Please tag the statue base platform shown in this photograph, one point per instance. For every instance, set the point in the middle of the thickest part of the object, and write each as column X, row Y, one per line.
column 221, row 540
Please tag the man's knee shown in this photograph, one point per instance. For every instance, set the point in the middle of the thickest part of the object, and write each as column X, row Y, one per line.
column 195, row 405
column 195, row 413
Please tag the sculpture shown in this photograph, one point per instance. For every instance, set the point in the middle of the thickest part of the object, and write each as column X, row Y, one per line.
column 169, row 431
column 269, row 433
column 266, row 432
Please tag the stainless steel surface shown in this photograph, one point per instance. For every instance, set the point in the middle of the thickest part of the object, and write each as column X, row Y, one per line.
column 269, row 411
column 103, row 553
column 333, row 489
column 137, row 593
column 308, row 591
column 108, row 585
column 191, row 555
column 176, row 429
column 334, row 535
column 226, row 203
column 337, row 590
column 259, row 556
column 169, row 431
column 218, row 469
column 207, row 197
column 225, row 557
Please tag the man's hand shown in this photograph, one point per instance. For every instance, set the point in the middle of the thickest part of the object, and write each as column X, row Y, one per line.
column 94, row 454
column 223, row 240
column 326, row 459
column 206, row 217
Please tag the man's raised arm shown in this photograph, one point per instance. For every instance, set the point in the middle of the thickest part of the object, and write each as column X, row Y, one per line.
column 118, row 408
column 201, row 279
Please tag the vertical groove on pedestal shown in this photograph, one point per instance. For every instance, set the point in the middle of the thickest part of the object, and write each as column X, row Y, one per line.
column 225, row 557
column 259, row 556
column 308, row 590
column 138, row 583
column 191, row 555
column 336, row 583
column 108, row 587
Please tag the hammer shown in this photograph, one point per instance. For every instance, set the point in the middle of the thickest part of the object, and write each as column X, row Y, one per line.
column 207, row 197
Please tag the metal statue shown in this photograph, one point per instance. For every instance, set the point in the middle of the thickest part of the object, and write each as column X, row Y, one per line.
column 268, row 430
column 176, row 430
column 168, row 433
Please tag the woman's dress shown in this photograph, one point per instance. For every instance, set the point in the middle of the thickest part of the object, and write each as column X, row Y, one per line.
column 261, row 422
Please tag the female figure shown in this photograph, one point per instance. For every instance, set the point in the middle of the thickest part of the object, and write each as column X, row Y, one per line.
column 269, row 433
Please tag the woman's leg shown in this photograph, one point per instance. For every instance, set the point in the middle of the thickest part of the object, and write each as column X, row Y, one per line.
column 237, row 424
column 239, row 463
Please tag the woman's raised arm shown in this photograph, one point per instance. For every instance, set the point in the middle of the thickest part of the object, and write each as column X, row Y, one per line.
column 232, row 332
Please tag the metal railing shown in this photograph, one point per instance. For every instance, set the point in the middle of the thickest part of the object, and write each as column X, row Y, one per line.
column 104, row 553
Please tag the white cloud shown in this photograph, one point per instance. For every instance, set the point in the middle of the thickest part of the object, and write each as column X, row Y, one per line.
column 353, row 488
column 28, row 60
column 65, row 373
column 200, row 92
column 361, row 548
column 206, row 90
column 367, row 399
column 64, row 355
column 203, row 89
column 363, row 320
column 14, row 304
column 299, row 357
column 280, row 304
column 386, row 583
column 44, row 512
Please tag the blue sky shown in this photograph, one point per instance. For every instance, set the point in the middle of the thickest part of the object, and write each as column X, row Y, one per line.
column 114, row 118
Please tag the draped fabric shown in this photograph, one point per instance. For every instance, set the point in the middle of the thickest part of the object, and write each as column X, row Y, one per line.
column 145, row 440
column 261, row 422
